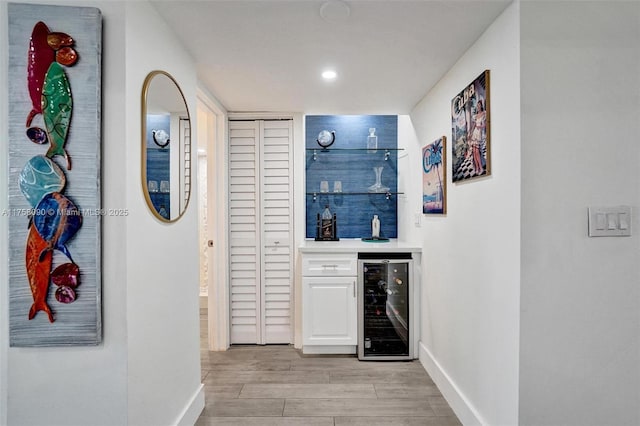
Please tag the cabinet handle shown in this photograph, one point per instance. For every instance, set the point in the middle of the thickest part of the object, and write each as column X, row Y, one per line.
column 354, row 289
column 330, row 266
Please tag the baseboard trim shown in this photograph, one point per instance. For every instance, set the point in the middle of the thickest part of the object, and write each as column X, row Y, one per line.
column 194, row 408
column 460, row 404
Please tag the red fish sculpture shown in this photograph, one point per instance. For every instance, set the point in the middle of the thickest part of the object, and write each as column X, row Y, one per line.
column 40, row 57
column 38, row 272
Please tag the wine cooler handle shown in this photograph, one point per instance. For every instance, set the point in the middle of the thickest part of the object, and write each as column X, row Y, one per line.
column 354, row 289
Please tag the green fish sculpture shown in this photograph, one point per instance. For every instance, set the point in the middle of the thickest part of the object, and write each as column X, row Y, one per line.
column 57, row 105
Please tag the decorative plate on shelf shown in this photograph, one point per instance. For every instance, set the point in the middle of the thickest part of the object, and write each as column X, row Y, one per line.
column 160, row 137
column 375, row 240
column 326, row 138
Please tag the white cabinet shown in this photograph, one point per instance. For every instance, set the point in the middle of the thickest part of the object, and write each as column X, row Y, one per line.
column 329, row 296
column 330, row 309
column 320, row 265
column 330, row 292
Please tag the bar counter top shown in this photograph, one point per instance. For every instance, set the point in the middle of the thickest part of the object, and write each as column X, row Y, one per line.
column 351, row 245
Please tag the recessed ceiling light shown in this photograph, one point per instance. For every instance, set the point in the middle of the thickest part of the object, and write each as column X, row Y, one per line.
column 335, row 11
column 329, row 75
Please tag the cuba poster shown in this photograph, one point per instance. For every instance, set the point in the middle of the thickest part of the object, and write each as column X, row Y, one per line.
column 470, row 127
column 434, row 182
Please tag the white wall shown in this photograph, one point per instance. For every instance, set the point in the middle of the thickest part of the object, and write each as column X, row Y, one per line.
column 82, row 385
column 471, row 257
column 147, row 370
column 580, row 323
column 409, row 182
column 163, row 274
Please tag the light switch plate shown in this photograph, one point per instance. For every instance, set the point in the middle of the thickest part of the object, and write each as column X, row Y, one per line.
column 610, row 221
column 417, row 219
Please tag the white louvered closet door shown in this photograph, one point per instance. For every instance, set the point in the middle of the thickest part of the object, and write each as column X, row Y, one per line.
column 277, row 235
column 260, row 216
column 244, row 232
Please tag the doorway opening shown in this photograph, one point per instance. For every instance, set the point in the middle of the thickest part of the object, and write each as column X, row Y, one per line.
column 211, row 120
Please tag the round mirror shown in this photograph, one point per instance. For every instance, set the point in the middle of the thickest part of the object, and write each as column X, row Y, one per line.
column 166, row 147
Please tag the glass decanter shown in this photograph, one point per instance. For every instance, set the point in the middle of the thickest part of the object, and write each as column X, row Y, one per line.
column 372, row 141
column 377, row 187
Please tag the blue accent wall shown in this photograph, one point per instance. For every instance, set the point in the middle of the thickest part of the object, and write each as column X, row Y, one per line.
column 158, row 162
column 158, row 170
column 354, row 168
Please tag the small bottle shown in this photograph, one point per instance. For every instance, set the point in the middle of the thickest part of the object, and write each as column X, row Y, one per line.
column 375, row 227
column 326, row 214
column 372, row 140
column 326, row 220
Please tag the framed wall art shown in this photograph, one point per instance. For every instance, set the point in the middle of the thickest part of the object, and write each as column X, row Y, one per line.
column 54, row 175
column 434, row 182
column 470, row 128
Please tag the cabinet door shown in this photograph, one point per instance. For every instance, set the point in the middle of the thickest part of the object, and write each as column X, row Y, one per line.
column 244, row 232
column 329, row 313
column 277, row 237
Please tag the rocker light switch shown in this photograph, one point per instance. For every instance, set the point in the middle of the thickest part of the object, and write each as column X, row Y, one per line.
column 623, row 219
column 610, row 221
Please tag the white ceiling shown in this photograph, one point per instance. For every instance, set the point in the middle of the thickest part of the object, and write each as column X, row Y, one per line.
column 267, row 55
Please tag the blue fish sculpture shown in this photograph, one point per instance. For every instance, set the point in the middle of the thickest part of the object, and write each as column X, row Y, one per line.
column 40, row 176
column 57, row 220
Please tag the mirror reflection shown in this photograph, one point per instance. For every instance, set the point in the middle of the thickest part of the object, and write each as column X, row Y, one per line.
column 166, row 147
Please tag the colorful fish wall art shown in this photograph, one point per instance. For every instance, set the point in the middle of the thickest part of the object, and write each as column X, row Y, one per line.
column 55, row 219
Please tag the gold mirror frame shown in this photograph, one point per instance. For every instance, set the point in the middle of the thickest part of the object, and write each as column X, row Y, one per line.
column 186, row 156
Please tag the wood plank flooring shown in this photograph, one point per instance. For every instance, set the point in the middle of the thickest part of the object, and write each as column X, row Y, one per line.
column 279, row 386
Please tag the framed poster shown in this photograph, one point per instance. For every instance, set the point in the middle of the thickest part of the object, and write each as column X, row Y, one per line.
column 434, row 182
column 54, row 175
column 470, row 128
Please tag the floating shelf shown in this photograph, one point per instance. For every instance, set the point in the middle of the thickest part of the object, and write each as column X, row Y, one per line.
column 387, row 194
column 387, row 151
column 352, row 149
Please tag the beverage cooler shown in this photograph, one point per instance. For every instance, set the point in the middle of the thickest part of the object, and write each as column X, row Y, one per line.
column 385, row 331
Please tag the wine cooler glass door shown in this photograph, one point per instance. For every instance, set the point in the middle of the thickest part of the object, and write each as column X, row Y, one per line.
column 384, row 310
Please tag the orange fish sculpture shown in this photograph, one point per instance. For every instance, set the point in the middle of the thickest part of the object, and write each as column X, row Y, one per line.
column 38, row 272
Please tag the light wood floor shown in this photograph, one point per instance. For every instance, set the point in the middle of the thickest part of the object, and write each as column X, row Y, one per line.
column 278, row 385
